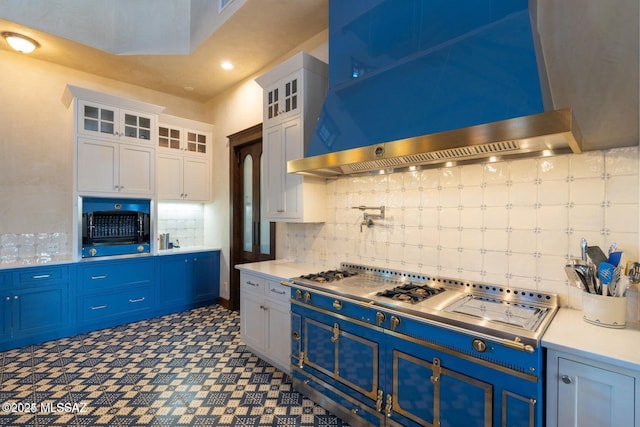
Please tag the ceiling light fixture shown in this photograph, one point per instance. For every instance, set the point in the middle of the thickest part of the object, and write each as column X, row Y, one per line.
column 226, row 65
column 22, row 44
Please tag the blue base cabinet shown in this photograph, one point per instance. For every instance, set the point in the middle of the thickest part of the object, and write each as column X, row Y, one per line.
column 113, row 292
column 35, row 303
column 188, row 280
column 42, row 303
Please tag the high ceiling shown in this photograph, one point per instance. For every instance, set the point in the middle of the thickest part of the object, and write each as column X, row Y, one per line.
column 256, row 34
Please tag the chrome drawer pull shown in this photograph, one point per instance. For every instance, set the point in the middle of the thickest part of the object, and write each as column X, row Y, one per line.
column 251, row 283
column 41, row 276
column 104, row 276
column 136, row 300
column 98, row 307
column 277, row 292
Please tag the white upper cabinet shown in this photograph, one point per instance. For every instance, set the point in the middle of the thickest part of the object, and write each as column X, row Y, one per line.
column 104, row 121
column 115, row 150
column 293, row 95
column 184, row 159
column 282, row 99
column 106, row 168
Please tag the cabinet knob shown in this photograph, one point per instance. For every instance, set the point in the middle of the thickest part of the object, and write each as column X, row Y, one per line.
column 566, row 379
column 15, row 297
column 8, row 298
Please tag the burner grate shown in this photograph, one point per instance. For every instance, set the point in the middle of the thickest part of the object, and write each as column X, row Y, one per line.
column 410, row 292
column 328, row 276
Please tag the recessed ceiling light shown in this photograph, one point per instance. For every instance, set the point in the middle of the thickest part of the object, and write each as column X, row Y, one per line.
column 22, row 44
column 226, row 65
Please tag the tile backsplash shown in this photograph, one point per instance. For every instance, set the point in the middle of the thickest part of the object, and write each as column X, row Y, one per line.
column 33, row 248
column 183, row 221
column 513, row 223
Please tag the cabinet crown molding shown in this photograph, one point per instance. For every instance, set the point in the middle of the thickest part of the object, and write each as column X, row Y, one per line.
column 72, row 92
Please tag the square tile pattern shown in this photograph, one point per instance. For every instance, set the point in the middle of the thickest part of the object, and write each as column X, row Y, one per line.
column 184, row 369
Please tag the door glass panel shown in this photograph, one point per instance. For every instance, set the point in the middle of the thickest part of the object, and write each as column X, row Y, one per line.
column 90, row 111
column 106, row 115
column 265, row 226
column 247, row 201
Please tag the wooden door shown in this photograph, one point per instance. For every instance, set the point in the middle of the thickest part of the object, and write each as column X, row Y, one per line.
column 252, row 239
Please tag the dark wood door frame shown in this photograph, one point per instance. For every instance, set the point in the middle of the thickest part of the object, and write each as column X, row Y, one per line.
column 237, row 140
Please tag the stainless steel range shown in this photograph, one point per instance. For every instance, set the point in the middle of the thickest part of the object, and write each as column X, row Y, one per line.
column 386, row 347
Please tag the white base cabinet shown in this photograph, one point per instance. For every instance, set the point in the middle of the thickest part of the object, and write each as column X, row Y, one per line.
column 587, row 393
column 265, row 319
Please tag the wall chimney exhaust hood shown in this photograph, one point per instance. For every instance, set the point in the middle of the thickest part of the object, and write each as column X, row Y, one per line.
column 543, row 134
column 416, row 84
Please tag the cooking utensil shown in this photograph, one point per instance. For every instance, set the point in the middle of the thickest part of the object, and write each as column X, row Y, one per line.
column 583, row 249
column 572, row 275
column 595, row 254
column 605, row 275
column 613, row 248
column 615, row 258
column 590, row 276
column 634, row 273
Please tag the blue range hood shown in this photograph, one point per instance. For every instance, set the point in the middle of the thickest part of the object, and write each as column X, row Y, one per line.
column 407, row 76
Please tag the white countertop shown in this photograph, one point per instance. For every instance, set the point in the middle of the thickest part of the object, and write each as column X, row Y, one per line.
column 570, row 333
column 188, row 249
column 44, row 263
column 279, row 269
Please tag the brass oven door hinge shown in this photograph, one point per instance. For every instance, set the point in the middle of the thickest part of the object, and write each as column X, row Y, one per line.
column 436, row 371
column 388, row 408
column 301, row 360
column 336, row 332
column 379, row 401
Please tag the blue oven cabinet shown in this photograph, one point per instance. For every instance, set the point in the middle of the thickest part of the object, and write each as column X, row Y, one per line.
column 370, row 369
column 187, row 280
column 35, row 305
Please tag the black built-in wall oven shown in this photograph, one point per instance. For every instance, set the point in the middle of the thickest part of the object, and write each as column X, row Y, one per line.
column 111, row 226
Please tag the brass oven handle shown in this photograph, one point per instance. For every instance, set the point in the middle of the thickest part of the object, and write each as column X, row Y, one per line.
column 517, row 344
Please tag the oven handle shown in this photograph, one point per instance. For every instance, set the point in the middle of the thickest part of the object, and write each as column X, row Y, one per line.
column 517, row 344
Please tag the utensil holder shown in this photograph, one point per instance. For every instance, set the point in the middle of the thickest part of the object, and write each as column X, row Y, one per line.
column 610, row 312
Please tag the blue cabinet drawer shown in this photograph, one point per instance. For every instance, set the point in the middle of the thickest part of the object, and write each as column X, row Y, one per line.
column 104, row 275
column 42, row 275
column 103, row 306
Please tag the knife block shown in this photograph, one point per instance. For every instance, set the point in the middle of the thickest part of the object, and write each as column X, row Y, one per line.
column 610, row 312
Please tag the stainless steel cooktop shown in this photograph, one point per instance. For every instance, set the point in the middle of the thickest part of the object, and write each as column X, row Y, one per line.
column 489, row 309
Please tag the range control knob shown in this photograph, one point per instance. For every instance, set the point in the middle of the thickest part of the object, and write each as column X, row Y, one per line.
column 479, row 345
column 93, row 252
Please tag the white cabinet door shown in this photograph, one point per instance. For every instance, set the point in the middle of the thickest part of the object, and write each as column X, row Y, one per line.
column 278, row 345
column 252, row 321
column 283, row 99
column 97, row 120
column 136, row 127
column 284, row 191
column 170, row 177
column 592, row 396
column 273, row 153
column 137, row 169
column 97, row 166
column 196, row 178
column 292, row 145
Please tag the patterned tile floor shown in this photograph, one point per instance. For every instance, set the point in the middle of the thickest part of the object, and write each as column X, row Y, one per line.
column 184, row 369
